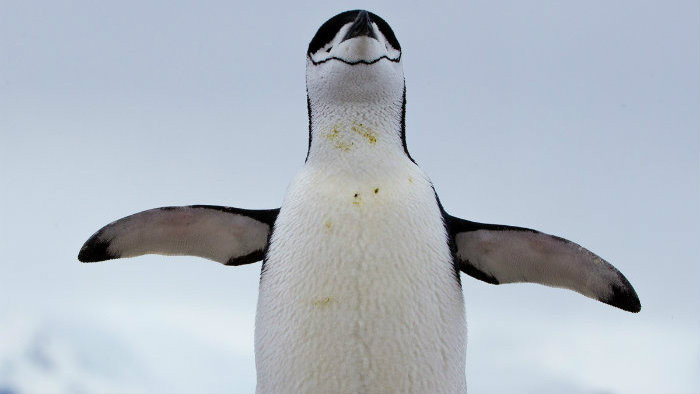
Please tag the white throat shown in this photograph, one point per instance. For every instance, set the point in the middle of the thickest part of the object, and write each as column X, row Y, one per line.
column 344, row 129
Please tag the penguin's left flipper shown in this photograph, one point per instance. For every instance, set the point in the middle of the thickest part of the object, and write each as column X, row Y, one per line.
column 505, row 254
column 230, row 236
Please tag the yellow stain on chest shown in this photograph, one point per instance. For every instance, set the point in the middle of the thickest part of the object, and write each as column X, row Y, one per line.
column 366, row 133
column 339, row 135
column 335, row 136
column 323, row 302
column 357, row 199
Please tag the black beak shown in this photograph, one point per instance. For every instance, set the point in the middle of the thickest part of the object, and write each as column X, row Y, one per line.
column 362, row 26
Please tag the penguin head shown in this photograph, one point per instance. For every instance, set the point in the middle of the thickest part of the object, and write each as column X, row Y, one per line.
column 354, row 56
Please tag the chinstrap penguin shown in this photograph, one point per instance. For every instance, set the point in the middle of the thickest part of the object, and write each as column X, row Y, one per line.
column 360, row 289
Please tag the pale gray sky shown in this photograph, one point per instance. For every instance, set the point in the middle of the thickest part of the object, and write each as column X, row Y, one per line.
column 580, row 120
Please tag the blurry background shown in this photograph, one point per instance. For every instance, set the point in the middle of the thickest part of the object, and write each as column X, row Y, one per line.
column 575, row 118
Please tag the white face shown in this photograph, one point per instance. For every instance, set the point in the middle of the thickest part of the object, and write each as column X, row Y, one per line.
column 354, row 57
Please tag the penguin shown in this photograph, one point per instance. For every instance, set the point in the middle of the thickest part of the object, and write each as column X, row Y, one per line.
column 360, row 286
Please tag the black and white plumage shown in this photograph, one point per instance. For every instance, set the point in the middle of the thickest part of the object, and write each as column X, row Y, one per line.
column 360, row 289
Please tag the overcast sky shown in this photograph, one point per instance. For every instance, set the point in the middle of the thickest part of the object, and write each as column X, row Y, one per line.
column 579, row 119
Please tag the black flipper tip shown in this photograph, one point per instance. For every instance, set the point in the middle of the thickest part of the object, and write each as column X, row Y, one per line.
column 95, row 249
column 624, row 297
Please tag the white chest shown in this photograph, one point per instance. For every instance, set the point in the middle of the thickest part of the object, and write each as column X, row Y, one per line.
column 358, row 293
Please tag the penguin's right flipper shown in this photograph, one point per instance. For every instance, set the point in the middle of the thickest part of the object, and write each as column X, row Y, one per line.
column 506, row 254
column 230, row 236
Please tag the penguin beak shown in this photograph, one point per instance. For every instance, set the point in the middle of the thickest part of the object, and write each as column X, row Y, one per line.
column 362, row 26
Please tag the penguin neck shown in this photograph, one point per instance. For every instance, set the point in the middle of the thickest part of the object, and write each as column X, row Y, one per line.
column 361, row 133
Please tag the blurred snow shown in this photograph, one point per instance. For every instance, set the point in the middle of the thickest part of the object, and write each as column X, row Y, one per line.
column 58, row 357
column 76, row 355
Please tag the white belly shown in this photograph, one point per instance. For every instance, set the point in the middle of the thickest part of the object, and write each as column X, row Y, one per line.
column 358, row 293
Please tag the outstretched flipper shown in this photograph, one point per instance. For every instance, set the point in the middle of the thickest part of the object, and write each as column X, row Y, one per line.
column 504, row 254
column 231, row 236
